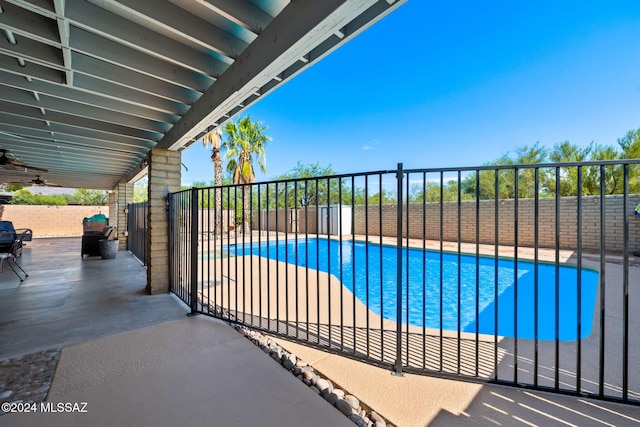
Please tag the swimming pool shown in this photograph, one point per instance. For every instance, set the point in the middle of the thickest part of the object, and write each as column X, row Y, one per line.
column 368, row 281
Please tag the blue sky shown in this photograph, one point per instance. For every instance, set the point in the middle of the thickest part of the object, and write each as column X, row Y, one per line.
column 453, row 83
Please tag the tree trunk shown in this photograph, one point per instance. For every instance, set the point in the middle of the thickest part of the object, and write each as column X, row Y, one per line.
column 217, row 176
column 246, row 209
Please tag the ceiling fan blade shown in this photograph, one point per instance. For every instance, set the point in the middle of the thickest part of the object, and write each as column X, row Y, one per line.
column 9, row 166
column 26, row 166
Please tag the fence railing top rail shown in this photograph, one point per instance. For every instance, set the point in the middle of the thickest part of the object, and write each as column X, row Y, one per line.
column 592, row 163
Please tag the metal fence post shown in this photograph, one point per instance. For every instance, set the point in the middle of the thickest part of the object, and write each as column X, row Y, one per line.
column 194, row 252
column 398, row 368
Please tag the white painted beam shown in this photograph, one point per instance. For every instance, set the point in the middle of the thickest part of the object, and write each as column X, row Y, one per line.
column 86, row 111
column 182, row 23
column 115, row 53
column 110, row 138
column 28, row 24
column 124, row 77
column 33, row 51
column 30, row 70
column 240, row 12
column 99, row 21
column 114, row 91
column 293, row 33
column 33, row 131
column 85, row 98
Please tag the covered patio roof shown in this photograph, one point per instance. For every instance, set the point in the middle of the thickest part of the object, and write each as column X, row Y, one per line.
column 87, row 88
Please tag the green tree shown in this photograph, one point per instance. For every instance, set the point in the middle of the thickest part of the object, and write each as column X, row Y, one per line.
column 140, row 190
column 565, row 152
column 526, row 155
column 630, row 146
column 613, row 174
column 431, row 193
column 304, row 192
column 24, row 197
column 245, row 144
column 90, row 197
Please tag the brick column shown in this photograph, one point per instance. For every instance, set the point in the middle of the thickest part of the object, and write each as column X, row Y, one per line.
column 125, row 196
column 118, row 200
column 164, row 178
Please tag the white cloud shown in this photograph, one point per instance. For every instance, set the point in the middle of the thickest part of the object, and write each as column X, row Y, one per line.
column 371, row 145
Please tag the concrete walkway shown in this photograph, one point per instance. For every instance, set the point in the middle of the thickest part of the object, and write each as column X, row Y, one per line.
column 189, row 372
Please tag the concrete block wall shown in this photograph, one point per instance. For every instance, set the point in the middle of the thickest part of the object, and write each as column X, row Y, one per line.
column 425, row 220
column 164, row 178
column 50, row 221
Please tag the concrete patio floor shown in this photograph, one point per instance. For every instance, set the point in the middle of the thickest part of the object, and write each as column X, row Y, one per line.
column 138, row 360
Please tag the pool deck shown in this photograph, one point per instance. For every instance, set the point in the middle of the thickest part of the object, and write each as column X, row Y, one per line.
column 138, row 360
column 339, row 321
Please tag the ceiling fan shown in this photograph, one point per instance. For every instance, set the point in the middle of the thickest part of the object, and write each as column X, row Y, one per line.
column 39, row 182
column 11, row 163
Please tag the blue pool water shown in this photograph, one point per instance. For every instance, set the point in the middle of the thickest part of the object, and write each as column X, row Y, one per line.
column 422, row 298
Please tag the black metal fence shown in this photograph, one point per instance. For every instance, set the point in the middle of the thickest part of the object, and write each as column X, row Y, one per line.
column 518, row 275
column 137, row 229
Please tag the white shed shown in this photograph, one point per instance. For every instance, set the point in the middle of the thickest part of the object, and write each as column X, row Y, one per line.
column 335, row 219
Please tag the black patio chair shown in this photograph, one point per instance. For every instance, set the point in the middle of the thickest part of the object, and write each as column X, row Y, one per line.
column 7, row 235
column 10, row 257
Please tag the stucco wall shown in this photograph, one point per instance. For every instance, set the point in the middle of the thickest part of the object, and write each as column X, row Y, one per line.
column 50, row 221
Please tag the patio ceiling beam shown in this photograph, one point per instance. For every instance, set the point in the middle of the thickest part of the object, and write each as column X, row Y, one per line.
column 87, row 111
column 63, row 30
column 122, row 76
column 76, row 164
column 57, row 146
column 97, row 20
column 31, row 70
column 75, row 121
column 121, row 93
column 34, row 51
column 89, row 150
column 184, row 24
column 240, row 12
column 85, row 98
column 109, row 139
column 279, row 45
column 106, row 50
column 29, row 24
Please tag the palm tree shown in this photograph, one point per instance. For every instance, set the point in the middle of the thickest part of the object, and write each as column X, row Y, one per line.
column 213, row 139
column 245, row 142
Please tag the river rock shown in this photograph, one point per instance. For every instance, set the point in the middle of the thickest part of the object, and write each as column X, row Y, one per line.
column 339, row 392
column 288, row 364
column 375, row 417
column 353, row 401
column 357, row 419
column 323, row 384
column 344, row 407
